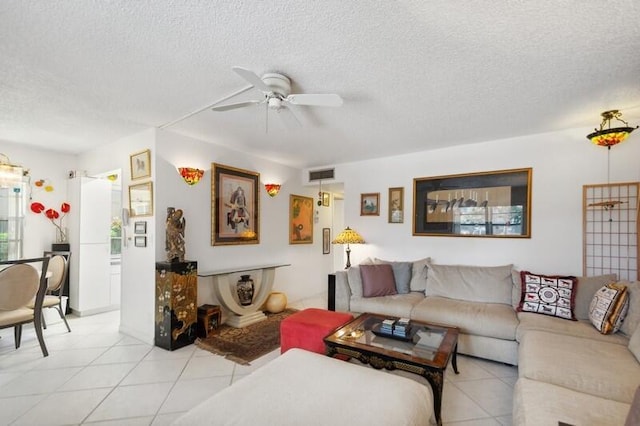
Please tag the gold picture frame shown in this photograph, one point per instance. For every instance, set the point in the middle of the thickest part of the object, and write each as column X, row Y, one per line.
column 370, row 204
column 141, row 199
column 140, row 164
column 325, row 199
column 235, row 206
column 300, row 219
column 494, row 204
column 396, row 205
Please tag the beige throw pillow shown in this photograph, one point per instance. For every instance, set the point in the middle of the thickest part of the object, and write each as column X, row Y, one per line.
column 608, row 308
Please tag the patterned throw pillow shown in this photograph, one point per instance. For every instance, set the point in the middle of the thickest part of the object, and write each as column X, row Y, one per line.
column 548, row 295
column 609, row 307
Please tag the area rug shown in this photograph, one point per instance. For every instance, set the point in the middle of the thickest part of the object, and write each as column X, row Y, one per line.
column 243, row 345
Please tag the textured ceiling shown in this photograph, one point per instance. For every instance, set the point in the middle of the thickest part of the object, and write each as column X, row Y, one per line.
column 414, row 74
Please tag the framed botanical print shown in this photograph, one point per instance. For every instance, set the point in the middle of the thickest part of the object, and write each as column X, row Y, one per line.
column 235, row 206
column 300, row 219
column 370, row 204
column 140, row 164
column 396, row 205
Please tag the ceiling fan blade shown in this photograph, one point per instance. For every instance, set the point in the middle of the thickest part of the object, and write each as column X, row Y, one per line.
column 331, row 100
column 252, row 78
column 289, row 118
column 235, row 106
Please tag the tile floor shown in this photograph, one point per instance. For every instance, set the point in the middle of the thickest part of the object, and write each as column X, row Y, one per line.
column 95, row 375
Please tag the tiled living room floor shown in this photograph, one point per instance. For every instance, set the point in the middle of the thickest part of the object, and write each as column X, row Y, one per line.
column 95, row 375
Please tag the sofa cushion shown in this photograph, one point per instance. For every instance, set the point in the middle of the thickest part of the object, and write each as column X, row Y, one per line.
column 580, row 328
column 399, row 305
column 634, row 344
column 481, row 319
column 602, row 369
column 419, row 274
column 548, row 295
column 587, row 287
column 401, row 274
column 355, row 281
column 608, row 308
column 538, row 403
column 632, row 320
column 490, row 284
column 377, row 280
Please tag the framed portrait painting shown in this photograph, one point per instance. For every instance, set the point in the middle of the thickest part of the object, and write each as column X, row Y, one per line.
column 485, row 204
column 140, row 163
column 235, row 206
column 370, row 204
column 300, row 219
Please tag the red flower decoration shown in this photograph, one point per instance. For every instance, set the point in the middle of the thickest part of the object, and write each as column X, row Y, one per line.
column 65, row 207
column 37, row 207
column 52, row 214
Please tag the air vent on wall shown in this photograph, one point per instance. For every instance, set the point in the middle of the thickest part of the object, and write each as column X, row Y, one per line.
column 321, row 174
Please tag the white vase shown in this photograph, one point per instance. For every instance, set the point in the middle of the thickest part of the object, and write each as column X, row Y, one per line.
column 62, row 235
column 276, row 302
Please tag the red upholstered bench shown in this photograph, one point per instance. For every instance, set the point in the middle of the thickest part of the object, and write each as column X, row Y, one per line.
column 307, row 328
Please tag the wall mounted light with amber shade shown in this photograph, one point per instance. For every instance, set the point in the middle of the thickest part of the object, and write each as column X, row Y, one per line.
column 348, row 236
column 190, row 175
column 272, row 188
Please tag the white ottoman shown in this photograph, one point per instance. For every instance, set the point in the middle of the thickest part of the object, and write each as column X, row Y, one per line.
column 301, row 387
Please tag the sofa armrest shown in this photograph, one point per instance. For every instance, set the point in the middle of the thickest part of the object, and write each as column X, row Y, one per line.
column 343, row 292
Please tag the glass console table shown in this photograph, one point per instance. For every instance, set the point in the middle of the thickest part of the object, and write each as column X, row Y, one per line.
column 225, row 291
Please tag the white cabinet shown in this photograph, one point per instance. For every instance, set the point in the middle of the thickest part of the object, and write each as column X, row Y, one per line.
column 90, row 271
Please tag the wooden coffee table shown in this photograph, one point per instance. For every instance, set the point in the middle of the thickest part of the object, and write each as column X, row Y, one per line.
column 427, row 353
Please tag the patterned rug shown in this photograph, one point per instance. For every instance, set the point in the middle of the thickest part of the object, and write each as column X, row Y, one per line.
column 243, row 345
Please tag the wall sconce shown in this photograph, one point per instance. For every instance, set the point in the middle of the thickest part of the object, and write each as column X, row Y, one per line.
column 10, row 174
column 348, row 236
column 190, row 175
column 272, row 189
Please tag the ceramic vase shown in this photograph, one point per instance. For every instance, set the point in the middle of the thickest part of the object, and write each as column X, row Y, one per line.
column 276, row 302
column 245, row 289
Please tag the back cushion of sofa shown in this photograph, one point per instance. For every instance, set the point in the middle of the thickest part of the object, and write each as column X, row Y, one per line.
column 489, row 284
column 587, row 287
column 632, row 320
column 419, row 274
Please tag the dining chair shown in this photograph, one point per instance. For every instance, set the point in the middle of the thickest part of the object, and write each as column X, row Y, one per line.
column 20, row 283
column 58, row 268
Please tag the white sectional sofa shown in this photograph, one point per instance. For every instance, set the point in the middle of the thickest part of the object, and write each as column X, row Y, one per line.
column 568, row 371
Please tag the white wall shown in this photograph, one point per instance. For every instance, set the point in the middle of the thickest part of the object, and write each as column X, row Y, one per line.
column 562, row 163
column 39, row 232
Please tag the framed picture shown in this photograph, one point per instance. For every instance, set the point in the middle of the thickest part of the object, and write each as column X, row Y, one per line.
column 487, row 204
column 325, row 199
column 326, row 240
column 140, row 241
column 140, row 165
column 396, row 205
column 370, row 204
column 140, row 228
column 141, row 199
column 235, row 206
column 300, row 219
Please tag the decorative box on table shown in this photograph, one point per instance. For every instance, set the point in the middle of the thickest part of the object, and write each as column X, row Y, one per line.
column 176, row 314
column 209, row 317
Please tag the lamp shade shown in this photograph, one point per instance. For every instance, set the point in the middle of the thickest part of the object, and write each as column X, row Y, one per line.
column 610, row 136
column 190, row 175
column 272, row 189
column 348, row 236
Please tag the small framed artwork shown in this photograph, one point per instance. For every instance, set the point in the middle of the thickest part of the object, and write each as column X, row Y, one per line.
column 370, row 204
column 141, row 199
column 140, row 228
column 140, row 164
column 396, row 205
column 235, row 206
column 300, row 219
column 326, row 240
column 325, row 199
column 140, row 241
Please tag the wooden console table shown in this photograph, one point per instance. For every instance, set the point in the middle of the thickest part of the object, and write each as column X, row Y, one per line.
column 225, row 291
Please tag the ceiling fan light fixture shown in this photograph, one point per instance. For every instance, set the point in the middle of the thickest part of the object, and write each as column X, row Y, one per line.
column 610, row 136
column 275, row 103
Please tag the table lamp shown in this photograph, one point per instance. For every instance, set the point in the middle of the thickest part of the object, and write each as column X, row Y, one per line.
column 348, row 236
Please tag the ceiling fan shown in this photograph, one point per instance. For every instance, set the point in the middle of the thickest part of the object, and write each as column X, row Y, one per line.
column 276, row 89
